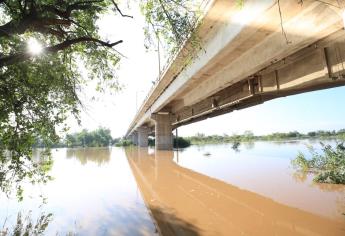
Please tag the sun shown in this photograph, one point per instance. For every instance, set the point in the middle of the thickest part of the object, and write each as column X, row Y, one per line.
column 34, row 47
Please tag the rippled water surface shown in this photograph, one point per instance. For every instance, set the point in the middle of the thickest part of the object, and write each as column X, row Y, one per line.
column 200, row 190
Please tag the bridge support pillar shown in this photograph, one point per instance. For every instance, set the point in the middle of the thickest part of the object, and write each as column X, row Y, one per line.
column 134, row 138
column 143, row 136
column 163, row 131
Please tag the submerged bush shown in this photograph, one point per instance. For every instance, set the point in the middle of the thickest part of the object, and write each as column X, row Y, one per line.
column 329, row 166
column 181, row 142
column 124, row 143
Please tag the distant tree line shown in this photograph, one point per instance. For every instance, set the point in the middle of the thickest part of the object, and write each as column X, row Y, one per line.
column 100, row 137
column 200, row 138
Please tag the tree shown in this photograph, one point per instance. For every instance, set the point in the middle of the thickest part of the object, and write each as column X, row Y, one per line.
column 42, row 44
column 97, row 138
column 174, row 21
column 248, row 135
column 39, row 91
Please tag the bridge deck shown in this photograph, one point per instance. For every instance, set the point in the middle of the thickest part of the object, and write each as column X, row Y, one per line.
column 246, row 60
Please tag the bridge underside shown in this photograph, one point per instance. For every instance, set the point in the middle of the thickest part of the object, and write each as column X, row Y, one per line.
column 318, row 66
column 245, row 65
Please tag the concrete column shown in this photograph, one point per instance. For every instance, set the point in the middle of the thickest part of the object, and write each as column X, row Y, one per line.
column 143, row 136
column 163, row 131
column 135, row 138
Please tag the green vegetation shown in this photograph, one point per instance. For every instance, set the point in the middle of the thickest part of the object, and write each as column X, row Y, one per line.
column 329, row 167
column 124, row 143
column 236, row 145
column 26, row 226
column 177, row 21
column 249, row 136
column 181, row 142
column 97, row 138
column 50, row 50
column 100, row 137
column 151, row 141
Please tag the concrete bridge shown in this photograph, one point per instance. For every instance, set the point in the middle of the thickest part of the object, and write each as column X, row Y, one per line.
column 245, row 59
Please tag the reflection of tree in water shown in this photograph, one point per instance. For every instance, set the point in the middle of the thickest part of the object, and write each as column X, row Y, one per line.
column 15, row 170
column 325, row 187
column 83, row 155
column 169, row 224
column 300, row 176
column 286, row 142
column 235, row 146
column 26, row 225
column 249, row 145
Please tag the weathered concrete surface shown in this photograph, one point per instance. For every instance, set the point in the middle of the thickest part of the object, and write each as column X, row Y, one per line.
column 245, row 60
column 163, row 131
column 143, row 135
column 134, row 138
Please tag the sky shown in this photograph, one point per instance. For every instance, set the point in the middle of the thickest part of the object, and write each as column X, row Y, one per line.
column 318, row 110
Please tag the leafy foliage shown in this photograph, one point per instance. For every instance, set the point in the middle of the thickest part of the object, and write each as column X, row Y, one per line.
column 97, row 138
column 173, row 25
column 39, row 91
column 181, row 142
column 172, row 21
column 178, row 142
column 329, row 167
column 249, row 136
column 124, row 143
column 26, row 226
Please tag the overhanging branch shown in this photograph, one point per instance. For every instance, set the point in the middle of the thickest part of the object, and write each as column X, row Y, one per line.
column 119, row 10
column 23, row 56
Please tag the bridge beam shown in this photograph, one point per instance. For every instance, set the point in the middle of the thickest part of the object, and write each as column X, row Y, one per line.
column 163, row 131
column 143, row 136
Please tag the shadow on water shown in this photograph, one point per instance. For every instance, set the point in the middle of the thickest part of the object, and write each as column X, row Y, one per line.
column 184, row 202
column 84, row 155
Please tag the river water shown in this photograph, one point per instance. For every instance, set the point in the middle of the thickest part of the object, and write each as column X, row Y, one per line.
column 200, row 190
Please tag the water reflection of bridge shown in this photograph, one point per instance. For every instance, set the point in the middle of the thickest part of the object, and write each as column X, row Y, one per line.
column 184, row 202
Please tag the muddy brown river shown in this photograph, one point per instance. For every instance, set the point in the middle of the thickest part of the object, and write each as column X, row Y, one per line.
column 200, row 190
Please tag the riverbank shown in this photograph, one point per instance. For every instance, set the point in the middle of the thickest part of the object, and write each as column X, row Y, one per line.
column 249, row 136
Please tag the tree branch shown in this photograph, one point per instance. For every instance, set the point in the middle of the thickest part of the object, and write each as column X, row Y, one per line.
column 73, row 7
column 119, row 10
column 23, row 56
column 36, row 24
column 13, row 27
column 177, row 35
